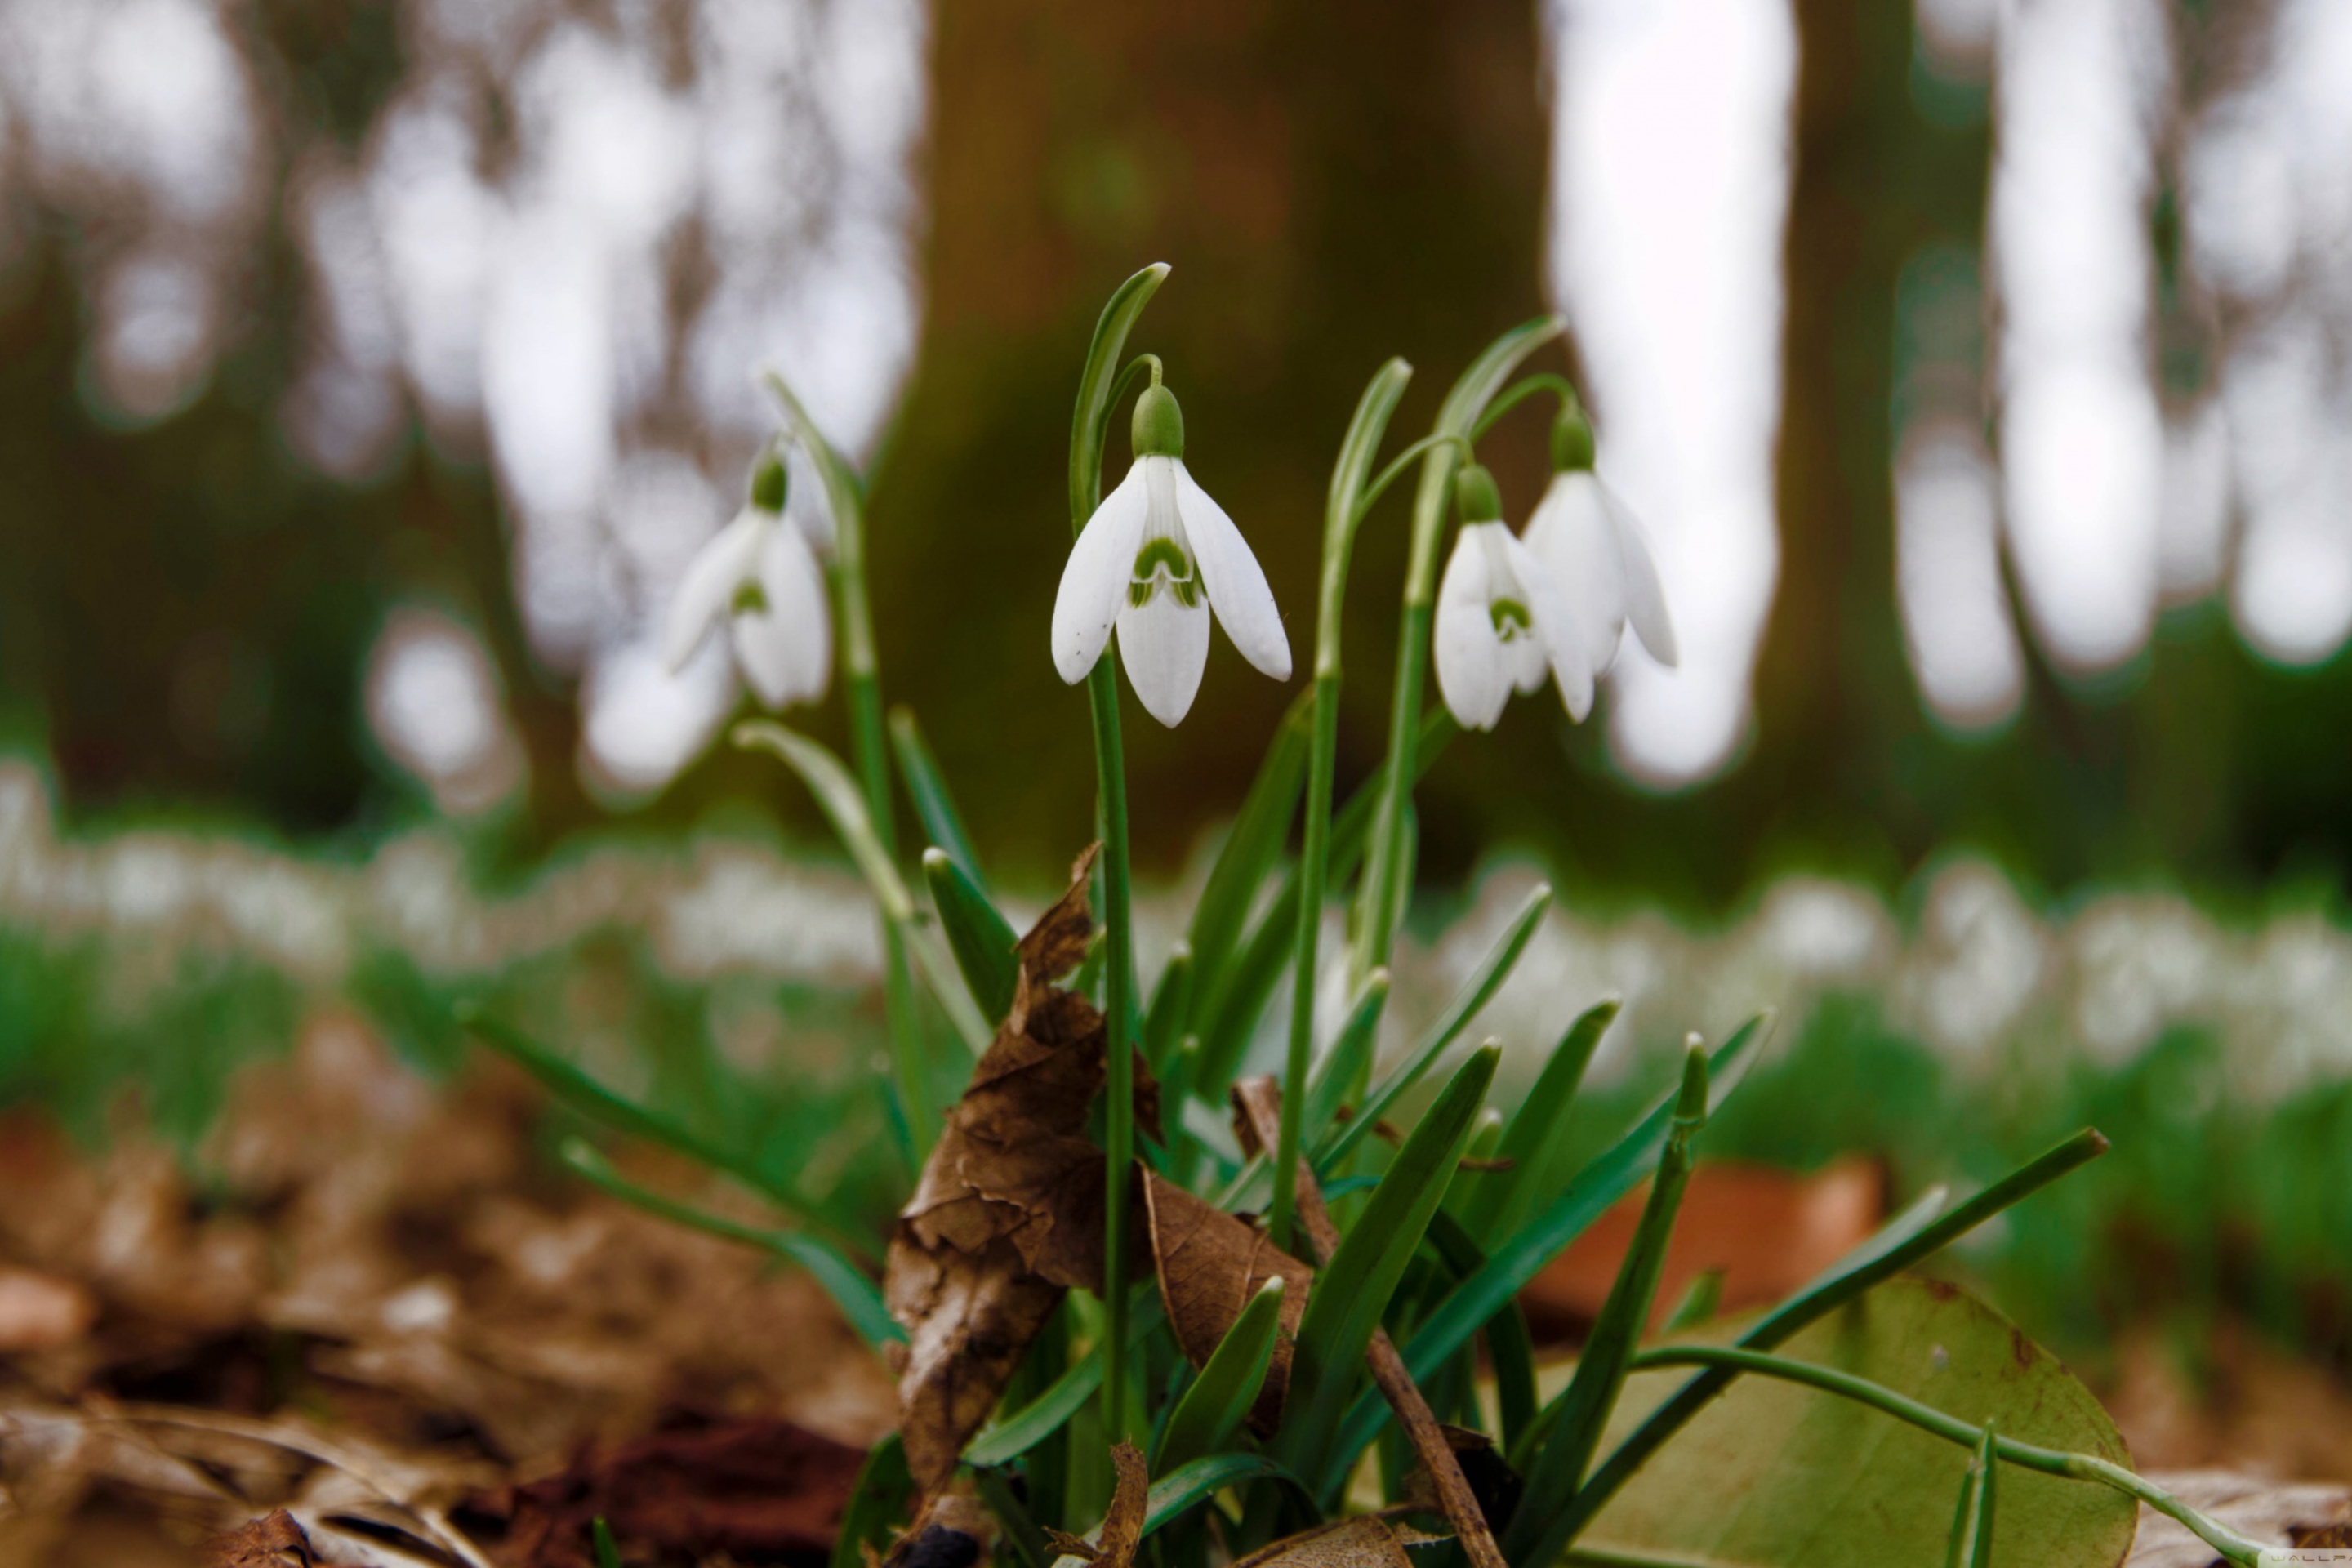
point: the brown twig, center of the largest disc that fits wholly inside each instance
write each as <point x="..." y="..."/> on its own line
<point x="1260" y="1099"/>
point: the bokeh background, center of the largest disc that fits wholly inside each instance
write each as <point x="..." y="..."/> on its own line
<point x="369" y="371"/>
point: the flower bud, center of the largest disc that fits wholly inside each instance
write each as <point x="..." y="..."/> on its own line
<point x="1476" y="496"/>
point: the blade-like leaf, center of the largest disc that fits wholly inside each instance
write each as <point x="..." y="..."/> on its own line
<point x="843" y="804"/>
<point x="1180" y="1489"/>
<point x="1574" y="1430"/>
<point x="981" y="939"/>
<point x="1172" y="1005"/>
<point x="1510" y="1347"/>
<point x="1349" y="1058"/>
<point x="608" y="1554"/>
<point x="1971" y="1542"/>
<point x="935" y="808"/>
<point x="877" y="1502"/>
<point x="1510" y="1267"/>
<point x="1916" y="1234"/>
<point x="1008" y="1439"/>
<point x="859" y="1298"/>
<point x="1466" y="1005"/>
<point x="591" y="1098"/>
<point x="1501" y="1206"/>
<point x="1088" y="420"/>
<point x="1251" y="849"/>
<point x="1352" y="1291"/>
<point x="1213" y="1408"/>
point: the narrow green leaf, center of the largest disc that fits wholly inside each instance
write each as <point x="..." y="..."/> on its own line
<point x="1352" y="1291"/>
<point x="935" y="808"/>
<point x="1699" y="1304"/>
<point x="1971" y="1542"/>
<point x="591" y="1098"/>
<point x="1180" y="1489"/>
<point x="1088" y="419"/>
<point x="1479" y="1152"/>
<point x="843" y="801"/>
<point x="1003" y="1442"/>
<point x="1916" y="1234"/>
<point x="1029" y="1544"/>
<point x="1213" y="1408"/>
<point x="608" y="1554"/>
<point x="1510" y="1347"/>
<point x="1466" y="1005"/>
<point x="1172" y="1005"/>
<point x="1251" y="848"/>
<point x="877" y="1502"/>
<point x="1349" y="1059"/>
<point x="859" y="1298"/>
<point x="1537" y="1532"/>
<point x="1501" y="1206"/>
<point x="1510" y="1266"/>
<point x="981" y="939"/>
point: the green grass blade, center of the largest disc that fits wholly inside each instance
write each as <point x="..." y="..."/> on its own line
<point x="1466" y="1005"/>
<point x="1595" y="1189"/>
<point x="1251" y="848"/>
<point x="1004" y="1441"/>
<point x="843" y="801"/>
<point x="1538" y="1531"/>
<point x="1352" y="1291"/>
<point x="935" y="808"/>
<point x="1510" y="1347"/>
<point x="1971" y="1544"/>
<point x="1213" y="1408"/>
<point x="1029" y="1544"/>
<point x="608" y="1554"/>
<point x="1700" y="1302"/>
<point x="852" y="1290"/>
<point x="878" y="1500"/>
<point x="1165" y="1021"/>
<point x="1180" y="1488"/>
<point x="1090" y="420"/>
<point x="585" y="1095"/>
<point x="1918" y="1234"/>
<point x="1501" y="1206"/>
<point x="979" y="938"/>
<point x="1349" y="1059"/>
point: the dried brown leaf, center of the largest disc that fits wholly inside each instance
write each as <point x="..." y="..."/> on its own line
<point x="1367" y="1540"/>
<point x="273" y="1540"/>
<point x="1210" y="1263"/>
<point x="950" y="1533"/>
<point x="1009" y="1211"/>
<point x="1122" y="1525"/>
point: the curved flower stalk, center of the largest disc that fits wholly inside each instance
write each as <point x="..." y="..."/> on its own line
<point x="760" y="576"/>
<point x="1155" y="560"/>
<point x="1503" y="620"/>
<point x="1598" y="553"/>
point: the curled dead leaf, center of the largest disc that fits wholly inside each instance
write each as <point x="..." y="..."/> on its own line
<point x="1009" y="1211"/>
<point x="1367" y="1540"/>
<point x="1210" y="1263"/>
<point x="1122" y="1527"/>
<point x="273" y="1540"/>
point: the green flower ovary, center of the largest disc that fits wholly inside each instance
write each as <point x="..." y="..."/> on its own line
<point x="1163" y="561"/>
<point x="1511" y="619"/>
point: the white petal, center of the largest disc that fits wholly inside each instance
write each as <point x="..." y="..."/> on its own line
<point x="706" y="590"/>
<point x="1164" y="647"/>
<point x="1646" y="596"/>
<point x="1238" y="588"/>
<point x="1571" y="669"/>
<point x="1574" y="536"/>
<point x="1470" y="673"/>
<point x="786" y="648"/>
<point x="1094" y="580"/>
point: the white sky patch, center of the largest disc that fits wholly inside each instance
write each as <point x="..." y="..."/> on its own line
<point x="1670" y="189"/>
<point x="1955" y="620"/>
<point x="434" y="705"/>
<point x="2082" y="441"/>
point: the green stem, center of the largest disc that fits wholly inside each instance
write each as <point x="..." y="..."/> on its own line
<point x="862" y="681"/>
<point x="1519" y="391"/>
<point x="1344" y="509"/>
<point x="1952" y="1429"/>
<point x="1089" y="428"/>
<point x="1379" y="895"/>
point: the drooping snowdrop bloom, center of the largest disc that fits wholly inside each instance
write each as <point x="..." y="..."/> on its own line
<point x="1598" y="553"/>
<point x="761" y="575"/>
<point x="1155" y="560"/>
<point x="1502" y="622"/>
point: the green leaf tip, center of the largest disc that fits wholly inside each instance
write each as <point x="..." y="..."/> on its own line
<point x="1690" y="1107"/>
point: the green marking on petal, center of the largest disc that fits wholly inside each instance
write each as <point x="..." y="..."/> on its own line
<point x="1162" y="563"/>
<point x="749" y="599"/>
<point x="1511" y="619"/>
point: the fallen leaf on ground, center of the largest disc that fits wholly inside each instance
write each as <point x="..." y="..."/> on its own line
<point x="1769" y="1232"/>
<point x="1367" y="1540"/>
<point x="1009" y="1211"/>
<point x="1210" y="1263"/>
<point x="2275" y="1513"/>
<point x="762" y="1490"/>
<point x="273" y="1540"/>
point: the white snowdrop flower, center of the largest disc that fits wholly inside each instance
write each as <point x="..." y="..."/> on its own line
<point x="761" y="576"/>
<point x="1155" y="560"/>
<point x="1502" y="622"/>
<point x="1598" y="555"/>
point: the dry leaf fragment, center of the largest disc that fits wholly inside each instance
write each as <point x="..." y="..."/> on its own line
<point x="1210" y="1263"/>
<point x="273" y="1540"/>
<point x="1009" y="1210"/>
<point x="950" y="1533"/>
<point x="1122" y="1525"/>
<point x="1364" y="1542"/>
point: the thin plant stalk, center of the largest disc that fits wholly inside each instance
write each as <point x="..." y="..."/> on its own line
<point x="1341" y="515"/>
<point x="861" y="682"/>
<point x="1089" y="430"/>
<point x="1379" y="895"/>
